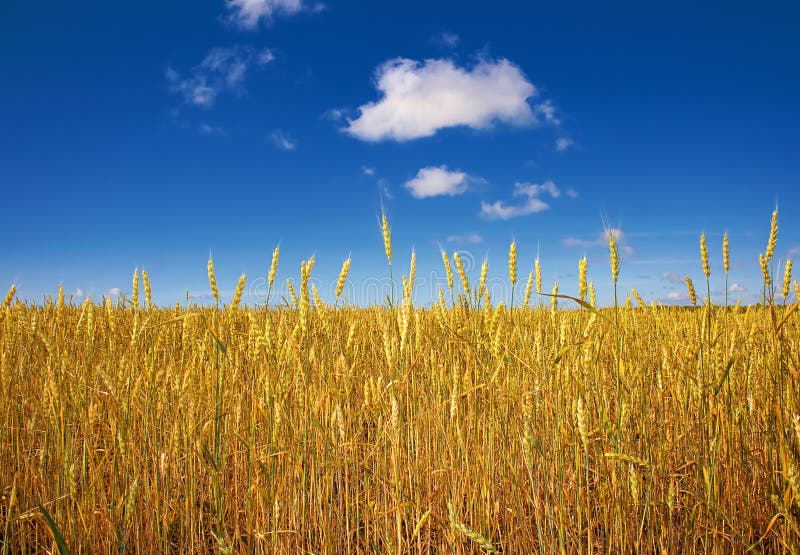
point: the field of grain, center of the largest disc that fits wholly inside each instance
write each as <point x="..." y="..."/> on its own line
<point x="463" y="427"/>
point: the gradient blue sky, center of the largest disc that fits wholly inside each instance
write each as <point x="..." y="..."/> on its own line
<point x="151" y="134"/>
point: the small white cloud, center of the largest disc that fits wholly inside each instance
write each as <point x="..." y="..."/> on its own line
<point x="282" y="140"/>
<point x="420" y="98"/>
<point x="547" y="112"/>
<point x="207" y="129"/>
<point x="384" y="190"/>
<point x="572" y="193"/>
<point x="249" y="13"/>
<point x="266" y="56"/>
<point x="737" y="287"/>
<point x="563" y="143"/>
<point x="447" y="40"/>
<point x="672" y="277"/>
<point x="532" y="192"/>
<point x="601" y="240"/>
<point x="335" y="114"/>
<point x="437" y="181"/>
<point x="223" y="69"/>
<point x="366" y="170"/>
<point x="470" y="238"/>
<point x="677" y="296"/>
<point x="114" y="292"/>
<point x="78" y="293"/>
<point x="794" y="251"/>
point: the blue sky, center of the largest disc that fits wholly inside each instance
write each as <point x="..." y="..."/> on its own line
<point x="151" y="134"/>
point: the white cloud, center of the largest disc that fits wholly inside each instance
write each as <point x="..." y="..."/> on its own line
<point x="675" y="296"/>
<point x="436" y="181"/>
<point x="672" y="277"/>
<point x="282" y="140"/>
<point x="420" y="98"/>
<point x="563" y="143"/>
<point x="446" y="39"/>
<point x="601" y="240"/>
<point x="78" y="293"/>
<point x="794" y="251"/>
<point x="114" y="292"/>
<point x="249" y="13"/>
<point x="384" y="189"/>
<point x="471" y="238"/>
<point x="266" y="56"/>
<point x="737" y="287"/>
<point x="335" y="114"/>
<point x="368" y="170"/>
<point x="207" y="129"/>
<point x="223" y="69"/>
<point x="547" y="111"/>
<point x="532" y="192"/>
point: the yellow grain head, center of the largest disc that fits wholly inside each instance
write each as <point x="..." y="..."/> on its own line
<point x="762" y="260"/>
<point x="462" y="275"/>
<point x="148" y="292"/>
<point x="592" y="296"/>
<point x="484" y="273"/>
<point x="787" y="277"/>
<point x="582" y="278"/>
<point x="342" y="277"/>
<point x="512" y="263"/>
<point x="292" y="293"/>
<point x="554" y="299"/>
<point x="528" y="289"/>
<point x="690" y="287"/>
<point x="273" y="268"/>
<point x="448" y="270"/>
<point x="725" y="254"/>
<point x="212" y="280"/>
<point x="412" y="273"/>
<point x="317" y="299"/>
<point x="387" y="237"/>
<point x="639" y="300"/>
<point x="237" y="294"/>
<point x="613" y="256"/>
<point x="773" y="236"/>
<point x="135" y="289"/>
<point x="704" y="255"/>
<point x="10" y="296"/>
<point x="538" y="269"/>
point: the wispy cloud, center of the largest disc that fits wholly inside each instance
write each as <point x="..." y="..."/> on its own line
<point x="249" y="14"/>
<point x="563" y="144"/>
<point x="532" y="194"/>
<point x="446" y="39"/>
<point x="420" y="98"/>
<point x="282" y="140"/>
<point x="672" y="277"/>
<point x="437" y="181"/>
<point x="737" y="287"/>
<point x="677" y="296"/>
<point x="207" y="129"/>
<point x="366" y="170"/>
<point x="223" y="69"/>
<point x="601" y="241"/>
<point x="114" y="292"/>
<point x="547" y="112"/>
<point x="794" y="251"/>
<point x="469" y="238"/>
<point x="78" y="293"/>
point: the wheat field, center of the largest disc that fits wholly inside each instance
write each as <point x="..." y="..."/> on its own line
<point x="466" y="426"/>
